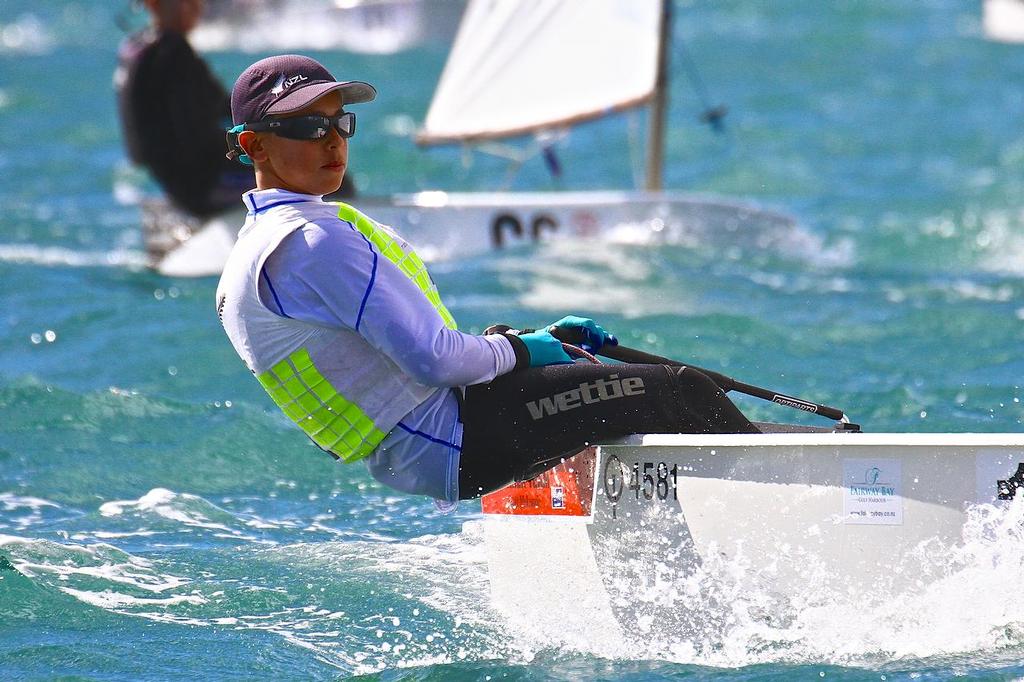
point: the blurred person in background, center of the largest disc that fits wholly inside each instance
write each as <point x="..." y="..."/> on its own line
<point x="174" y="112"/>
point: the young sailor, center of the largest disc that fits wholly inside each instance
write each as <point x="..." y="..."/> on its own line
<point x="340" y="322"/>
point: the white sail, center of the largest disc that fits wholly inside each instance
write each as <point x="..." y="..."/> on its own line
<point x="522" y="65"/>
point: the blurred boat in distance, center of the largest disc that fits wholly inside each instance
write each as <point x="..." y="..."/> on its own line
<point x="521" y="68"/>
<point x="363" y="26"/>
<point x="1003" y="20"/>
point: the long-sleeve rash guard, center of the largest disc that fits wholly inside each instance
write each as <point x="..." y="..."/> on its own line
<point x="326" y="273"/>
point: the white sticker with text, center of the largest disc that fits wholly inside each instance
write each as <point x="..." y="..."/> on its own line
<point x="871" y="492"/>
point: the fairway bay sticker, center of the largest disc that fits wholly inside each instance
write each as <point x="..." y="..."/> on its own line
<point x="871" y="492"/>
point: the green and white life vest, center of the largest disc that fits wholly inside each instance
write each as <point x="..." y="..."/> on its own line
<point x="343" y="393"/>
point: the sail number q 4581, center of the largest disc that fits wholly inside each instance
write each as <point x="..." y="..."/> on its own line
<point x="645" y="480"/>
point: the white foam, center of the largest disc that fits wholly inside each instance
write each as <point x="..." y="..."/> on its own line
<point x="182" y="508"/>
<point x="155" y="497"/>
<point x="115" y="600"/>
<point x="446" y="572"/>
<point x="10" y="502"/>
<point x="971" y="605"/>
<point x="61" y="256"/>
<point x="967" y="290"/>
<point x="109" y="535"/>
<point x="576" y="275"/>
<point x="994" y="234"/>
<point x="724" y="612"/>
<point x="25" y="35"/>
<point x="192" y="511"/>
<point x="968" y="606"/>
<point x="73" y="564"/>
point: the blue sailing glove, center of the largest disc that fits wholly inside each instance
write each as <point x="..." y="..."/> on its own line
<point x="544" y="349"/>
<point x="594" y="335"/>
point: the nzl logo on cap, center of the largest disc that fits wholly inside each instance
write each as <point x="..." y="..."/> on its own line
<point x="285" y="82"/>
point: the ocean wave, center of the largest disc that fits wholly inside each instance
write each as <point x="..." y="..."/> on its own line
<point x="361" y="606"/>
<point x="10" y="502"/>
<point x="61" y="256"/>
<point x="670" y="280"/>
<point x="434" y="619"/>
<point x="21" y="512"/>
<point x="108" y="599"/>
<point x="214" y="449"/>
<point x="100" y="566"/>
<point x="193" y="512"/>
<point x="34" y="403"/>
<point x="986" y="239"/>
<point x="786" y="240"/>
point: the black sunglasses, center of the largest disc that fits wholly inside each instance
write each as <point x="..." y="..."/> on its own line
<point x="314" y="127"/>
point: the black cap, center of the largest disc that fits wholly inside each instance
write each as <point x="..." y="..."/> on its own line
<point x="287" y="83"/>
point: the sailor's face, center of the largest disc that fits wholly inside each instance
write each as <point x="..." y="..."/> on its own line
<point x="308" y="166"/>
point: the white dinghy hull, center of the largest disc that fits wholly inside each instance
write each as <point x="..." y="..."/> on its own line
<point x="849" y="513"/>
<point x="444" y="225"/>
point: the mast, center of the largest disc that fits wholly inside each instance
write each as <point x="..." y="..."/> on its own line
<point x="659" y="103"/>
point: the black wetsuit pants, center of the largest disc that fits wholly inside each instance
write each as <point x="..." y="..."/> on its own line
<point x="523" y="423"/>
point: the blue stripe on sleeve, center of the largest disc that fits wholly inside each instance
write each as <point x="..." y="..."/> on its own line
<point x="373" y="274"/>
<point x="273" y="292"/>
<point x="432" y="439"/>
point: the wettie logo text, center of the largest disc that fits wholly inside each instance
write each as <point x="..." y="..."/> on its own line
<point x="587" y="394"/>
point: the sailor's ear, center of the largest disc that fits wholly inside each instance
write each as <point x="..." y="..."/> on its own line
<point x="252" y="144"/>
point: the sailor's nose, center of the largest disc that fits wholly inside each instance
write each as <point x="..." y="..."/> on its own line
<point x="333" y="137"/>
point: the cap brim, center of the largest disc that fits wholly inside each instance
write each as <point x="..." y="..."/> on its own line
<point x="352" y="92"/>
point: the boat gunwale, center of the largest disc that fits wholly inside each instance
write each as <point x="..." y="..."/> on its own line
<point x="828" y="439"/>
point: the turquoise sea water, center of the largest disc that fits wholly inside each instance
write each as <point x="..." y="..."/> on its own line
<point x="159" y="520"/>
